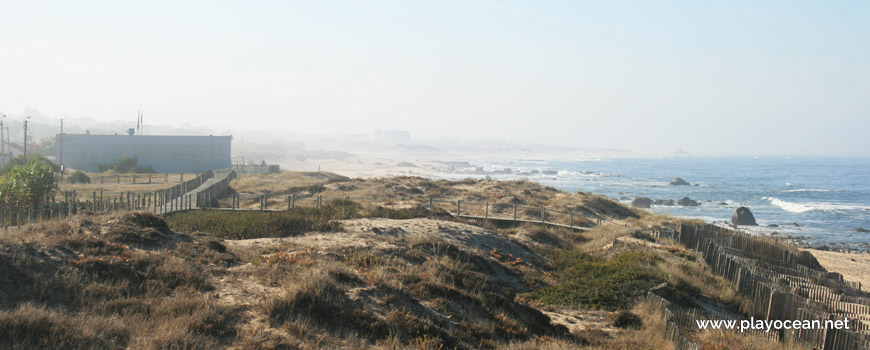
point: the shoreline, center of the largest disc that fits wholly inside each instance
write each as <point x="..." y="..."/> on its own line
<point x="854" y="267"/>
<point x="805" y="235"/>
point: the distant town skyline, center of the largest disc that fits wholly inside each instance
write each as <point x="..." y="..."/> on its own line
<point x="711" y="78"/>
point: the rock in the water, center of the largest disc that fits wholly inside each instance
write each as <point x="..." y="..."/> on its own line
<point x="668" y="202"/>
<point x="742" y="216"/>
<point x="861" y="230"/>
<point x="679" y="182"/>
<point x="688" y="202"/>
<point x="641" y="202"/>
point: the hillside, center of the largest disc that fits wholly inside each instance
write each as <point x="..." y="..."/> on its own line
<point x="351" y="275"/>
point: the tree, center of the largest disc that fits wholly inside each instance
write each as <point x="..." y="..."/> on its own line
<point x="45" y="147"/>
<point x="30" y="185"/>
<point x="79" y="177"/>
<point x="20" y="161"/>
<point x="127" y="164"/>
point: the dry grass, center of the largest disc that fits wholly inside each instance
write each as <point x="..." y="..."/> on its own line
<point x="95" y="289"/>
<point x="407" y="191"/>
<point x="722" y="340"/>
<point x="282" y="183"/>
<point x="111" y="185"/>
<point x="431" y="293"/>
<point x="130" y="281"/>
<point x="646" y="337"/>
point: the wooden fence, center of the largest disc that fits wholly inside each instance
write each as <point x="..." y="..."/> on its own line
<point x="577" y="220"/>
<point x="783" y="283"/>
<point x="149" y="178"/>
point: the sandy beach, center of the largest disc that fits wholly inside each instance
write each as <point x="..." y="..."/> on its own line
<point x="853" y="266"/>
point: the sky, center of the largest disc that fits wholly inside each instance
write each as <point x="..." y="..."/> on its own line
<point x="710" y="77"/>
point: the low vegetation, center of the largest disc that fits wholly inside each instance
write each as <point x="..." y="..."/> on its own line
<point x="610" y="283"/>
<point x="65" y="285"/>
<point x="79" y="177"/>
<point x="125" y="165"/>
<point x="28" y="185"/>
<point x="276" y="224"/>
<point x="351" y="275"/>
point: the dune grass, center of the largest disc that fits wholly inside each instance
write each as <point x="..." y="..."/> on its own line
<point x="589" y="281"/>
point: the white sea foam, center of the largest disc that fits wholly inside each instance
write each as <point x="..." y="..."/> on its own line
<point x="810" y="206"/>
<point x="810" y="190"/>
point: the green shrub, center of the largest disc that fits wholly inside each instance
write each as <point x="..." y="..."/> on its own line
<point x="127" y="164"/>
<point x="253" y="224"/>
<point x="625" y="319"/>
<point x="594" y="282"/>
<point x="20" y="161"/>
<point x="79" y="177"/>
<point x="29" y="185"/>
<point x="399" y="214"/>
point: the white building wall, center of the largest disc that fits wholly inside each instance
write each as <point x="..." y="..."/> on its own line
<point x="164" y="153"/>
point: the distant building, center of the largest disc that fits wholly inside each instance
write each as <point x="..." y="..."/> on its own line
<point x="392" y="136"/>
<point x="165" y="153"/>
<point x="14" y="150"/>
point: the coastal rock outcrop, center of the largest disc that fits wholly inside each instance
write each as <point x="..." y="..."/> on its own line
<point x="688" y="202"/>
<point x="679" y="182"/>
<point x="641" y="202"/>
<point x="665" y="202"/>
<point x="742" y="216"/>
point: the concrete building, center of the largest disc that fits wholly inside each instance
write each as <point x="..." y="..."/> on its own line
<point x="165" y="153"/>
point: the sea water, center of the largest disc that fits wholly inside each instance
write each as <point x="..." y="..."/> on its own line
<point x="819" y="201"/>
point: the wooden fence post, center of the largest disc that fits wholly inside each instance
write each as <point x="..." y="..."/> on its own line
<point x="458" y="207"/>
<point x="515" y="212"/>
<point x="486" y="211"/>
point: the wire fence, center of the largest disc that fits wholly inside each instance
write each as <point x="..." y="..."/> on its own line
<point x="465" y="209"/>
<point x="140" y="179"/>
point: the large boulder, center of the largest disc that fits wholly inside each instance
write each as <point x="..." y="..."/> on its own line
<point x="641" y="202"/>
<point x="742" y="216"/>
<point x="679" y="182"/>
<point x="668" y="202"/>
<point x="688" y="202"/>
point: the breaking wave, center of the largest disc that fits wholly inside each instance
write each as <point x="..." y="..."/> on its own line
<point x="810" y="206"/>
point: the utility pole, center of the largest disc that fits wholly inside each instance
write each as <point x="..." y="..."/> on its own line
<point x="62" y="168"/>
<point x="2" y="143"/>
<point x="25" y="139"/>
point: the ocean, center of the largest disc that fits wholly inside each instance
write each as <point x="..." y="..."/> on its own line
<point x="816" y="201"/>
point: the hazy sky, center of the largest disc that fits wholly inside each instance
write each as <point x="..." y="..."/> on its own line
<point x="712" y="77"/>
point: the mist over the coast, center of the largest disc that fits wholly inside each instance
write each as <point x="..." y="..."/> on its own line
<point x="718" y="78"/>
